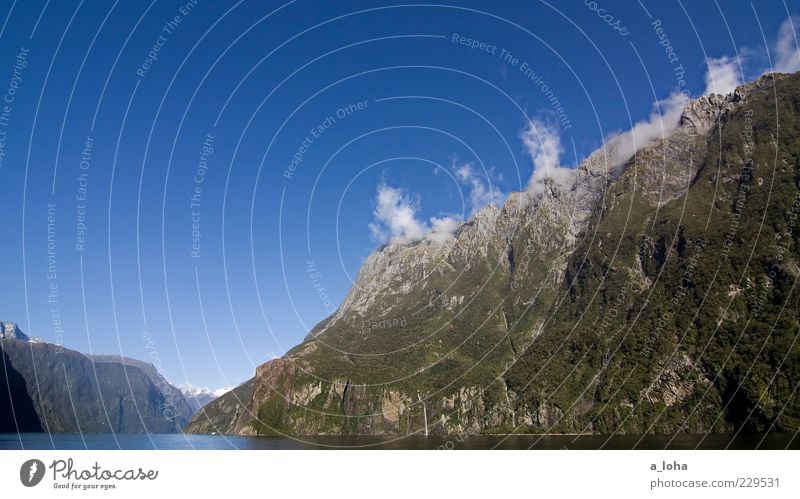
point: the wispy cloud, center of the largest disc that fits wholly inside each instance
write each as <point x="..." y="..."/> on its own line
<point x="443" y="229"/>
<point x="787" y="53"/>
<point x="723" y="75"/>
<point x="482" y="188"/>
<point x="543" y="144"/>
<point x="396" y="216"/>
<point x="663" y="120"/>
<point x="396" y="219"/>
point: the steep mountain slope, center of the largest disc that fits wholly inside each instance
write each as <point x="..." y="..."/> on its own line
<point x="58" y="390"/>
<point x="688" y="312"/>
<point x="175" y="400"/>
<point x="655" y="296"/>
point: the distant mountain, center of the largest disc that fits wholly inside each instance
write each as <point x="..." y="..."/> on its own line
<point x="54" y="389"/>
<point x="653" y="296"/>
<point x="197" y="397"/>
<point x="223" y="414"/>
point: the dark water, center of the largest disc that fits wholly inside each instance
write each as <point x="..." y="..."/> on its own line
<point x="540" y="442"/>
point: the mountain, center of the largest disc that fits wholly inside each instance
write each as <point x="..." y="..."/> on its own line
<point x="50" y="388"/>
<point x="655" y="295"/>
<point x="197" y="397"/>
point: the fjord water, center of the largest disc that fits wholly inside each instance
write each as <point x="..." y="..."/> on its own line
<point x="74" y="441"/>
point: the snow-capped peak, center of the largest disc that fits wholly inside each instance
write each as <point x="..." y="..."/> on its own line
<point x="198" y="396"/>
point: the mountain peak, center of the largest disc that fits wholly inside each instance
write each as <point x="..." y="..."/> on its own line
<point x="10" y="331"/>
<point x="197" y="396"/>
<point x="703" y="112"/>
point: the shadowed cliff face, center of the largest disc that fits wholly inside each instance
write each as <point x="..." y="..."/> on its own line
<point x="655" y="297"/>
<point x="59" y="390"/>
<point x="17" y="414"/>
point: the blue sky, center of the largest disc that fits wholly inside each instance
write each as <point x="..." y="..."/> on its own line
<point x="200" y="192"/>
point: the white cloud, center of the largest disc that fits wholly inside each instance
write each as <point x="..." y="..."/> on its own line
<point x="663" y="120"/>
<point x="559" y="175"/>
<point x="483" y="190"/>
<point x="543" y="144"/>
<point x="787" y="53"/>
<point x="443" y="229"/>
<point x="395" y="216"/>
<point x="396" y="220"/>
<point x="463" y="172"/>
<point x="723" y="75"/>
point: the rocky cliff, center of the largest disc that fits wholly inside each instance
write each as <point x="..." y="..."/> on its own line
<point x="655" y="295"/>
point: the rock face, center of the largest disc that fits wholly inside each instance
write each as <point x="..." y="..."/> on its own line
<point x="54" y="389"/>
<point x="599" y="304"/>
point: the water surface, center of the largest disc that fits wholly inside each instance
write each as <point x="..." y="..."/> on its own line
<point x="541" y="442"/>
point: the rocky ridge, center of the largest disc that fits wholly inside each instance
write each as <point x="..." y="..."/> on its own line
<point x="506" y="327"/>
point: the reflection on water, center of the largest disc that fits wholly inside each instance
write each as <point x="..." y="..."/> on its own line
<point x="542" y="442"/>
